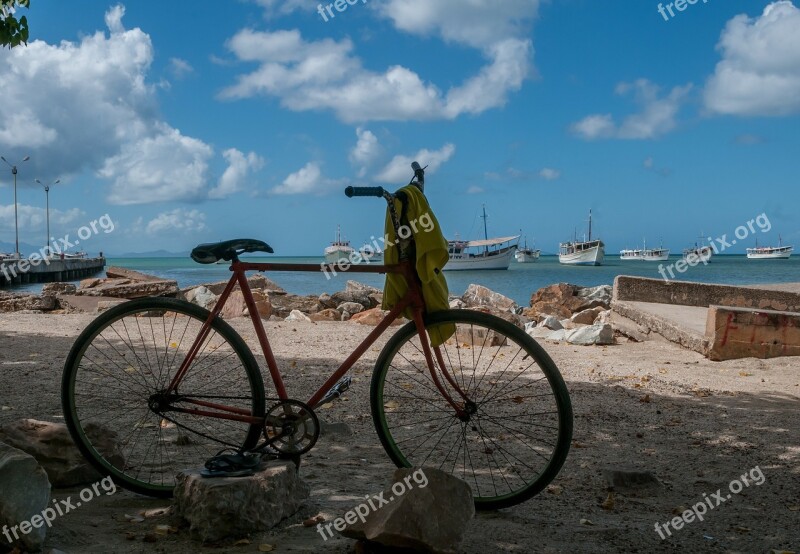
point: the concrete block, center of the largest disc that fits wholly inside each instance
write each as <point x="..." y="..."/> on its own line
<point x="744" y="333"/>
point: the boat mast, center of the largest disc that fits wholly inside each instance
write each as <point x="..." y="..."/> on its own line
<point x="590" y="225"/>
<point x="485" y="229"/>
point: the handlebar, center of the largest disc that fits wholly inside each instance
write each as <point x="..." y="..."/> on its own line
<point x="364" y="191"/>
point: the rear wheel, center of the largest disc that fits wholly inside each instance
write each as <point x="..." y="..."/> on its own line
<point x="114" y="400"/>
<point x="517" y="427"/>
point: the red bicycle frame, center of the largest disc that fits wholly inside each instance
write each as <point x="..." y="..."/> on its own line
<point x="413" y="299"/>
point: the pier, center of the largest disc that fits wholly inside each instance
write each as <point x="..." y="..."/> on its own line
<point x="16" y="272"/>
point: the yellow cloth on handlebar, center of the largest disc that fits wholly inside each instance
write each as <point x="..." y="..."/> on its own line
<point x="431" y="256"/>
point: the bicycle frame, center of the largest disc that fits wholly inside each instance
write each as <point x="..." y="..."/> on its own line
<point x="413" y="299"/>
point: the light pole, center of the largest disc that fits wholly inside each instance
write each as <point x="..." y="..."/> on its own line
<point x="16" y="219"/>
<point x="47" y="195"/>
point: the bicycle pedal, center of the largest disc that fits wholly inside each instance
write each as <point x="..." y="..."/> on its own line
<point x="336" y="391"/>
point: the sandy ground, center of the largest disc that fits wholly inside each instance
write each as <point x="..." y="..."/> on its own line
<point x="697" y="425"/>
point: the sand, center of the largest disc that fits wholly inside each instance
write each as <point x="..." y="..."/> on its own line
<point x="696" y="425"/>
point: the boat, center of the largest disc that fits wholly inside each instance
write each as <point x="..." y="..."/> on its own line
<point x="491" y="253"/>
<point x="527" y="255"/>
<point x="74" y="255"/>
<point x="339" y="249"/>
<point x="779" y="252"/>
<point x="369" y="255"/>
<point x="700" y="253"/>
<point x="586" y="252"/>
<point x="646" y="254"/>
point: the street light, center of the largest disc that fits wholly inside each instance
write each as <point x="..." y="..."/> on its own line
<point x="16" y="219"/>
<point x="47" y="195"/>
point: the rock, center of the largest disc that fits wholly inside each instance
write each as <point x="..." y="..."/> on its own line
<point x="596" y="296"/>
<point x="569" y="324"/>
<point x="358" y="296"/>
<point x="586" y="317"/>
<point x="72" y="303"/>
<point x="602" y="318"/>
<point x="256" y="282"/>
<point x="89" y="283"/>
<point x="52" y="289"/>
<point x="129" y="274"/>
<point x="538" y="332"/>
<point x="351" y="307"/>
<point x="20" y="302"/>
<point x="511" y="317"/>
<point x="123" y="288"/>
<point x="326" y="315"/>
<point x="238" y="506"/>
<point x="369" y="317"/>
<point x="551" y="322"/>
<point x="564" y="299"/>
<point x="202" y="297"/>
<point x="24" y="493"/>
<point x="53" y="448"/>
<point x="103" y="305"/>
<point x="556" y="336"/>
<point x="355" y="286"/>
<point x="263" y="305"/>
<point x="284" y="304"/>
<point x="234" y="307"/>
<point x="326" y="301"/>
<point x="631" y="480"/>
<point x="546" y="308"/>
<point x="431" y="514"/>
<point x="477" y="295"/>
<point x="592" y="334"/>
<point x="456" y="304"/>
<point x="297" y="315"/>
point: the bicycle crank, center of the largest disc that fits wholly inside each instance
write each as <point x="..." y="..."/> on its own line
<point x="291" y="428"/>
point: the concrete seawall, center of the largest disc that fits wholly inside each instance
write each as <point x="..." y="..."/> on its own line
<point x="22" y="271"/>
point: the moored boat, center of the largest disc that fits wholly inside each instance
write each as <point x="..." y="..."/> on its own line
<point x="779" y="252"/>
<point x="370" y="255"/>
<point x="527" y="255"/>
<point x="586" y="252"/>
<point x="339" y="249"/>
<point x="700" y="253"/>
<point x="491" y="253"/>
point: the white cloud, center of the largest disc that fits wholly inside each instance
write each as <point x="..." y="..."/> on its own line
<point x="177" y="221"/>
<point x="366" y="151"/>
<point x="759" y="73"/>
<point x="655" y="118"/>
<point x="549" y="174"/>
<point x="240" y="166"/>
<point x="326" y="74"/>
<point x="399" y="169"/>
<point x="35" y="218"/>
<point x="307" y="180"/>
<point x="474" y="189"/>
<point x="88" y="105"/>
<point x="180" y="68"/>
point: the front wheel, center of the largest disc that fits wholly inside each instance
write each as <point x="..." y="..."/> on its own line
<point x="515" y="430"/>
<point x="115" y="401"/>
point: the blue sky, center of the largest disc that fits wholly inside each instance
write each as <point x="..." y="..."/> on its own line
<point x="190" y="122"/>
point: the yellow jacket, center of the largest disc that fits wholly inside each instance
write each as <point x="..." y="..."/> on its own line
<point x="431" y="256"/>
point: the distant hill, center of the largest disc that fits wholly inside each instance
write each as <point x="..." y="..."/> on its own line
<point x="153" y="254"/>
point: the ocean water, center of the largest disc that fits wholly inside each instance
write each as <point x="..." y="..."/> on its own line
<point x="518" y="283"/>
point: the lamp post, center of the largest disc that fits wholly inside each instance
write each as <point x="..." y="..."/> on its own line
<point x="47" y="195"/>
<point x="16" y="219"/>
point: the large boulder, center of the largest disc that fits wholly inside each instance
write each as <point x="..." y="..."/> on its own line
<point x="586" y="317"/>
<point x="53" y="448"/>
<point x="24" y="496"/>
<point x="238" y="506"/>
<point x="355" y="286"/>
<point x="427" y="510"/>
<point x="297" y="315"/>
<point x="20" y="302"/>
<point x="591" y="334"/>
<point x="477" y="295"/>
<point x="551" y="322"/>
<point x="202" y="297"/>
<point x="596" y="296"/>
<point x="362" y="297"/>
<point x="563" y="300"/>
<point x="130" y="274"/>
<point x="52" y="289"/>
<point x="125" y="288"/>
<point x="327" y="314"/>
<point x="284" y="304"/>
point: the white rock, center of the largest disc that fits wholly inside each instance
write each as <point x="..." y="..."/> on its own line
<point x="556" y="336"/>
<point x="297" y="315"/>
<point x="24" y="493"/>
<point x="551" y="322"/>
<point x="603" y="318"/>
<point x="202" y="297"/>
<point x="591" y="334"/>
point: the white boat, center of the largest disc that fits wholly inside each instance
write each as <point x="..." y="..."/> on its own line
<point x="700" y="253"/>
<point x="527" y="255"/>
<point x="369" y="255"/>
<point x="586" y="252"/>
<point x="339" y="249"/>
<point x="779" y="252"/>
<point x="645" y="254"/>
<point x="75" y="255"/>
<point x="499" y="257"/>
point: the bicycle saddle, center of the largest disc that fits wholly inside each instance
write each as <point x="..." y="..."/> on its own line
<point x="212" y="252"/>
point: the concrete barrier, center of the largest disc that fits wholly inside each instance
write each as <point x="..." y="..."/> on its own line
<point x="742" y="333"/>
<point x="70" y="269"/>
<point x="685" y="293"/>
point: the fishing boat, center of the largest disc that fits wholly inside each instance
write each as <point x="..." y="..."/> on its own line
<point x="339" y="249"/>
<point x="586" y="252"/>
<point x="779" y="252"/>
<point x="369" y="255"/>
<point x="527" y="255"/>
<point x="646" y="254"/>
<point x="489" y="253"/>
<point x="701" y="253"/>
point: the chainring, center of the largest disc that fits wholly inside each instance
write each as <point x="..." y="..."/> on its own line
<point x="291" y="428"/>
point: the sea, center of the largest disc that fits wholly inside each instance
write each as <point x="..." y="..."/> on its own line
<point x="518" y="282"/>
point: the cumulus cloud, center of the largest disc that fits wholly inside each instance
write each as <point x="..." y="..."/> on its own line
<point x="35" y="218"/>
<point x="759" y="73"/>
<point x="240" y="166"/>
<point x="366" y="151"/>
<point x="307" y="180"/>
<point x="474" y="189"/>
<point x="326" y="74"/>
<point x="549" y="174"/>
<point x="177" y="221"/>
<point x="399" y="169"/>
<point x="656" y="117"/>
<point x="180" y="68"/>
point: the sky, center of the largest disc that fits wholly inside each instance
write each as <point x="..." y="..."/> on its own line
<point x="187" y="122"/>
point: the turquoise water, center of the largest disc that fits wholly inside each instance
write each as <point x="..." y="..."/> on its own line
<point x="517" y="283"/>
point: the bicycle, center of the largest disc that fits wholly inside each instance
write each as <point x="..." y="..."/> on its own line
<point x="173" y="382"/>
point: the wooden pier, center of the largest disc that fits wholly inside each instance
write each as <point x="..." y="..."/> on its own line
<point x="16" y="272"/>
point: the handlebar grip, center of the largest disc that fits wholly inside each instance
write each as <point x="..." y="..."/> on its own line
<point x="364" y="191"/>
